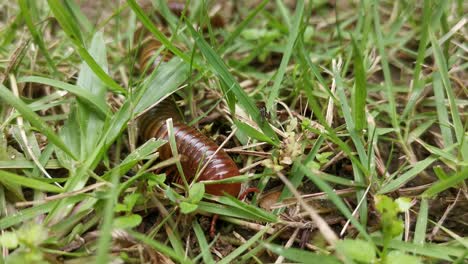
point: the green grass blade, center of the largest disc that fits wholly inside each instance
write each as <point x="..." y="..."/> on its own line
<point x="385" y="67"/>
<point x="359" y="94"/>
<point x="105" y="232"/>
<point x="205" y="250"/>
<point x="167" y="79"/>
<point x="283" y="10"/>
<point x="11" y="178"/>
<point x="444" y="123"/>
<point x="293" y="35"/>
<point x="258" y="213"/>
<point x="26" y="164"/>
<point x="232" y="211"/>
<point x="89" y="122"/>
<point x="252" y="132"/>
<point x="438" y="251"/>
<point x="407" y="176"/>
<point x="307" y="63"/>
<point x="442" y="185"/>
<point x="421" y="223"/>
<point x="80" y="17"/>
<point x="457" y="123"/>
<point x="176" y="241"/>
<point x="350" y="123"/>
<point x="422" y="128"/>
<point x="66" y="20"/>
<point x="348" y="113"/>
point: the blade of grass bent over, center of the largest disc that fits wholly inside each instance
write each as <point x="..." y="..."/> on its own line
<point x="36" y="184"/>
<point x="34" y="119"/>
<point x="80" y="92"/>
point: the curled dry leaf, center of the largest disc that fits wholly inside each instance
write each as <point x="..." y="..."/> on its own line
<point x="269" y="199"/>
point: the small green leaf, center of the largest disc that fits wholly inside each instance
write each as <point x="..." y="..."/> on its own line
<point x="253" y="133"/>
<point x="196" y="192"/>
<point x="391" y="225"/>
<point x="323" y="157"/>
<point x="358" y="250"/>
<point x="128" y="221"/>
<point x="384" y="203"/>
<point x="187" y="208"/>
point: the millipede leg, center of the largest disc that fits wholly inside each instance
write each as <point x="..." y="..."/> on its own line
<point x="213" y="225"/>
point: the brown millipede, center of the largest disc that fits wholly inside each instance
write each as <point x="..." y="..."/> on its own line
<point x="196" y="150"/>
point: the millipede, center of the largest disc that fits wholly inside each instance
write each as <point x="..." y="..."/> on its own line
<point x="196" y="150"/>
